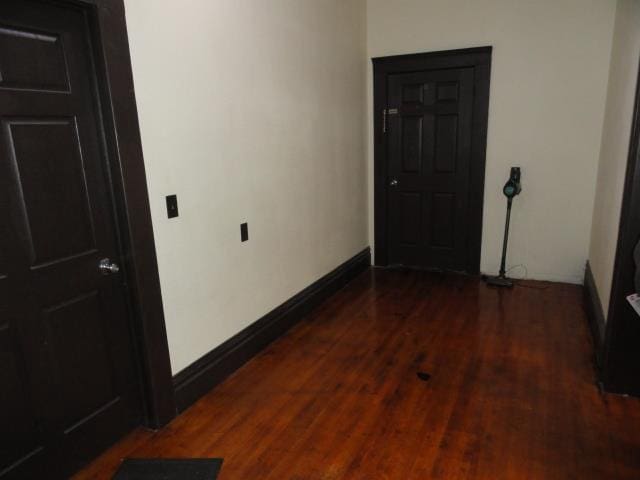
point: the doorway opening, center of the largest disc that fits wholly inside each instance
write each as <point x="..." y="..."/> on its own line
<point x="430" y="134"/>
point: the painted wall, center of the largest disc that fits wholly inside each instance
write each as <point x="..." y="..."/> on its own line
<point x="250" y="111"/>
<point x="548" y="89"/>
<point x="623" y="75"/>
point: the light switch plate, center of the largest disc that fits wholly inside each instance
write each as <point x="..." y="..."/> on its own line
<point x="172" y="206"/>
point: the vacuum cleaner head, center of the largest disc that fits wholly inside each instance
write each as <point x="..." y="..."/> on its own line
<point x="499" y="281"/>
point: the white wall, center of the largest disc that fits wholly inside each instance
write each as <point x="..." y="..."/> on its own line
<point x="250" y="110"/>
<point x="548" y="88"/>
<point x="623" y="75"/>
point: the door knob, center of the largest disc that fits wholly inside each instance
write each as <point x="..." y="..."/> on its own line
<point x="107" y="267"/>
<point x="393" y="183"/>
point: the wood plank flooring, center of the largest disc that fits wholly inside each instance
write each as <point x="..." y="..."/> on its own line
<point x="511" y="393"/>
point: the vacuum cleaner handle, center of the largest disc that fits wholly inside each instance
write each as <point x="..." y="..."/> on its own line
<point x="512" y="187"/>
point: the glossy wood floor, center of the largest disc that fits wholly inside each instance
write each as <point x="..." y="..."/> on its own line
<point x="511" y="393"/>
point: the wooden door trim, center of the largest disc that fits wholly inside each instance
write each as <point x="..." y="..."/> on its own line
<point x="480" y="59"/>
<point x="119" y="116"/>
<point x="620" y="358"/>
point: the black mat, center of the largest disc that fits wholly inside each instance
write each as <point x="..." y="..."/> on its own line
<point x="169" y="469"/>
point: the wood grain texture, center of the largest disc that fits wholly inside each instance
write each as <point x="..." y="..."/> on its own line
<point x="511" y="396"/>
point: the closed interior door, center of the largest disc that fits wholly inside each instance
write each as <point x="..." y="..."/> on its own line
<point x="67" y="379"/>
<point x="428" y="139"/>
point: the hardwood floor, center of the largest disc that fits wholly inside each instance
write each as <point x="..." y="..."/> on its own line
<point x="511" y="393"/>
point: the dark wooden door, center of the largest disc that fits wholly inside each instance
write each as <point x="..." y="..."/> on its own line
<point x="67" y="379"/>
<point x="429" y="134"/>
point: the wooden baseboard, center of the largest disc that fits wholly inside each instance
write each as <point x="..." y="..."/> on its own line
<point x="595" y="314"/>
<point x="211" y="369"/>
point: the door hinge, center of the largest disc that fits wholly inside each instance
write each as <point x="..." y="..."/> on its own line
<point x="385" y="113"/>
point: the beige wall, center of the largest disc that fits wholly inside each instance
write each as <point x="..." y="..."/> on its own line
<point x="255" y="111"/>
<point x="548" y="88"/>
<point x="623" y="75"/>
<point x="250" y="110"/>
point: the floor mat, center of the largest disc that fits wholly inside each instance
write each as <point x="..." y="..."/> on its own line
<point x="169" y="469"/>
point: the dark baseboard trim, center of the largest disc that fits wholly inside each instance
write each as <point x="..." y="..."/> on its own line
<point x="211" y="369"/>
<point x="595" y="314"/>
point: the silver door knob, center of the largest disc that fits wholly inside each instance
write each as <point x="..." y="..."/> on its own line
<point x="393" y="183"/>
<point x="107" y="267"/>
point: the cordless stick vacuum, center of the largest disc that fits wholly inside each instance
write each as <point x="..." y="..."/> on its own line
<point x="510" y="190"/>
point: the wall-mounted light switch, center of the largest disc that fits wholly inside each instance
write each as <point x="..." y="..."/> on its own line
<point x="172" y="206"/>
<point x="244" y="232"/>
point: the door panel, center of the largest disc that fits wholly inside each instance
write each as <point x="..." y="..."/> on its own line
<point x="443" y="214"/>
<point x="446" y="144"/>
<point x="411" y="221"/>
<point x="412" y="140"/>
<point x="68" y="378"/>
<point x="49" y="176"/>
<point x="49" y="72"/>
<point x="77" y="362"/>
<point x="428" y="160"/>
<point x="17" y="418"/>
